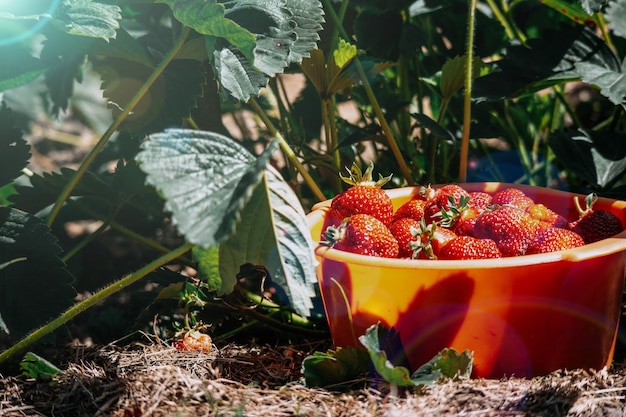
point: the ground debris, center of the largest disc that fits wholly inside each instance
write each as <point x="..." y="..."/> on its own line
<point x="155" y="379"/>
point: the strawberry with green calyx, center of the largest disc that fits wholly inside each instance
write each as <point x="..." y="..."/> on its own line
<point x="429" y="240"/>
<point x="462" y="217"/>
<point x="510" y="227"/>
<point x="364" y="197"/>
<point x="554" y="239"/>
<point x="468" y="247"/>
<point x="440" y="200"/>
<point x="363" y="234"/>
<point x="405" y="231"/>
<point x="594" y="225"/>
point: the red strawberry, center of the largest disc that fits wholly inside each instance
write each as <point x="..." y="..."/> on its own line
<point x="441" y="201"/>
<point x="194" y="340"/>
<point x="405" y="231"/>
<point x="511" y="228"/>
<point x="553" y="239"/>
<point x="364" y="197"/>
<point x="479" y="200"/>
<point x="413" y="209"/>
<point x="544" y="214"/>
<point x="461" y="218"/>
<point x="430" y="239"/>
<point x="594" y="225"/>
<point x="512" y="197"/>
<point x="468" y="247"/>
<point x="363" y="234"/>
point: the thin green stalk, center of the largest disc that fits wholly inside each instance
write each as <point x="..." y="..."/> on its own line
<point x="391" y="140"/>
<point x="467" y="99"/>
<point x="88" y="239"/>
<point x="332" y="142"/>
<point x="291" y="156"/>
<point x="67" y="191"/>
<point x="406" y="172"/>
<point x="501" y="18"/>
<point x="93" y="300"/>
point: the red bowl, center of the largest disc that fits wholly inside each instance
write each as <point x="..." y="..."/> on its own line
<point x="522" y="316"/>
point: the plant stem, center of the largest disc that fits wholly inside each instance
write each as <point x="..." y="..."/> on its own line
<point x="332" y="142"/>
<point x="287" y="150"/>
<point x="467" y="99"/>
<point x="391" y="140"/>
<point x="373" y="101"/>
<point x="93" y="300"/>
<point x="67" y="191"/>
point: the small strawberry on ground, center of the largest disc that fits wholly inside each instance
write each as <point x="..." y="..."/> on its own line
<point x="364" y="197"/>
<point x="553" y="239"/>
<point x="363" y="234"/>
<point x="194" y="340"/>
<point x="468" y="247"/>
<point x="594" y="225"/>
<point x="405" y="231"/>
<point x="511" y="228"/>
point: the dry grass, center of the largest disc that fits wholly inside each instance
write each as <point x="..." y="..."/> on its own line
<point x="156" y="380"/>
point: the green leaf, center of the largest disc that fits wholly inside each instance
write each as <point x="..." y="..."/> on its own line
<point x="208" y="260"/>
<point x="35" y="367"/>
<point x="453" y="75"/>
<point x="89" y="18"/>
<point x="593" y="6"/>
<point x="18" y="68"/>
<point x="185" y="292"/>
<point x="14" y="149"/>
<point x="285" y="31"/>
<point x="434" y="127"/>
<point x="37" y="289"/>
<point x="336" y="370"/>
<point x="554" y="56"/>
<point x="273" y="232"/>
<point x="612" y="83"/>
<point x="206" y="179"/>
<point x="207" y="18"/>
<point x="344" y="54"/>
<point x="616" y="17"/>
<point x="578" y="12"/>
<point x="598" y="158"/>
<point x="448" y="363"/>
<point x="398" y="375"/>
<point x="167" y="103"/>
<point x="44" y="190"/>
<point x="65" y="57"/>
<point x="237" y="77"/>
<point x="123" y="46"/>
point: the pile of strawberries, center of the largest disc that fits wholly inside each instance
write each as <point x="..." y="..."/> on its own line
<point x="452" y="223"/>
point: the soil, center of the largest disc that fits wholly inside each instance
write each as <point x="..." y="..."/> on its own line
<point x="151" y="378"/>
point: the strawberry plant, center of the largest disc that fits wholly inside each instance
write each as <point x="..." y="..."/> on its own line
<point x="428" y="102"/>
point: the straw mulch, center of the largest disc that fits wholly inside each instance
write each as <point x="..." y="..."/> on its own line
<point x="154" y="379"/>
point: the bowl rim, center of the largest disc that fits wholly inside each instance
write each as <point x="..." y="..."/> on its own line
<point x="604" y="247"/>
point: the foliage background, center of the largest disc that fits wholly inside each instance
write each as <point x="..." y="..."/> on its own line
<point x="548" y="101"/>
